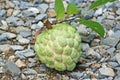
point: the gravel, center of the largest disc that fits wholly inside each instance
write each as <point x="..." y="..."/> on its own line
<point x="19" y="21"/>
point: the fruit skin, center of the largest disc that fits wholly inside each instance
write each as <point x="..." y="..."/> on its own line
<point x="59" y="48"/>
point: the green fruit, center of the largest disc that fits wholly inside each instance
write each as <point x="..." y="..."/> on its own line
<point x="59" y="48"/>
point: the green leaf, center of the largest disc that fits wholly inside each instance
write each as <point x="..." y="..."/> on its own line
<point x="95" y="26"/>
<point x="99" y="3"/>
<point x="72" y="9"/>
<point x="59" y="9"/>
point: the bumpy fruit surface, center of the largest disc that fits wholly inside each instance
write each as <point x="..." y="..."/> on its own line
<point x="59" y="48"/>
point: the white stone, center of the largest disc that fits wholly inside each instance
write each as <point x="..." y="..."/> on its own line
<point x="10" y="35"/>
<point x="33" y="10"/>
<point x="17" y="47"/>
<point x="107" y="71"/>
<point x="117" y="56"/>
<point x="40" y="24"/>
<point x="98" y="12"/>
<point x="24" y="41"/>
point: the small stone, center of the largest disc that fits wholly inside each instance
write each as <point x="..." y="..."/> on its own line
<point x="25" y="53"/>
<point x="2" y="12"/>
<point x="51" y="13"/>
<point x="31" y="65"/>
<point x="40" y="24"/>
<point x="107" y="71"/>
<point x="33" y="10"/>
<point x="117" y="34"/>
<point x="76" y="75"/>
<point x="15" y="12"/>
<point x="29" y="72"/>
<point x="118" y="45"/>
<point x="43" y="8"/>
<point x="20" y="63"/>
<point x="111" y="51"/>
<point x="94" y="54"/>
<point x="24" y="41"/>
<point x="85" y="46"/>
<point x="12" y="19"/>
<point x="10" y="4"/>
<point x="98" y="12"/>
<point x="25" y="5"/>
<point x="40" y="17"/>
<point x="117" y="56"/>
<point x="42" y="67"/>
<point x="17" y="47"/>
<point x="3" y="37"/>
<point x="10" y="35"/>
<point x="95" y="42"/>
<point x="1" y="70"/>
<point x="110" y="17"/>
<point x="25" y="33"/>
<point x="113" y="64"/>
<point x="110" y="41"/>
<point x="4" y="25"/>
<point x="118" y="11"/>
<point x="12" y="69"/>
<point x="31" y="60"/>
<point x="82" y="30"/>
<point x="10" y="11"/>
<point x="89" y="15"/>
<point x="20" y="23"/>
<point x="5" y="48"/>
<point x="35" y="26"/>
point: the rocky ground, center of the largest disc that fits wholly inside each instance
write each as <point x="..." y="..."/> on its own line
<point x="19" y="21"/>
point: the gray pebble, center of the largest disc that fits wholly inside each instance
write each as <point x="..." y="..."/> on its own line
<point x="98" y="12"/>
<point x="110" y="41"/>
<point x="31" y="65"/>
<point x="4" y="25"/>
<point x="23" y="41"/>
<point x="85" y="46"/>
<point x="29" y="72"/>
<point x="31" y="60"/>
<point x="40" y="24"/>
<point x="76" y="75"/>
<point x="111" y="51"/>
<point x="3" y="37"/>
<point x="117" y="34"/>
<point x="42" y="67"/>
<point x="117" y="56"/>
<point x="12" y="19"/>
<point x="43" y="7"/>
<point x="82" y="30"/>
<point x="25" y="33"/>
<point x="107" y="71"/>
<point x="5" y="48"/>
<point x="35" y="26"/>
<point x="10" y="35"/>
<point x="89" y="15"/>
<point x="2" y="12"/>
<point x="12" y="69"/>
<point x="1" y="70"/>
<point x="25" y="5"/>
<point x="25" y="53"/>
<point x="94" y="54"/>
<point x="17" y="47"/>
<point x="113" y="64"/>
<point x="40" y="17"/>
<point x="118" y="45"/>
<point x="20" y="23"/>
<point x="118" y="11"/>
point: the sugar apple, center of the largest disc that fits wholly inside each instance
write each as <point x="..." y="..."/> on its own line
<point x="60" y="47"/>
